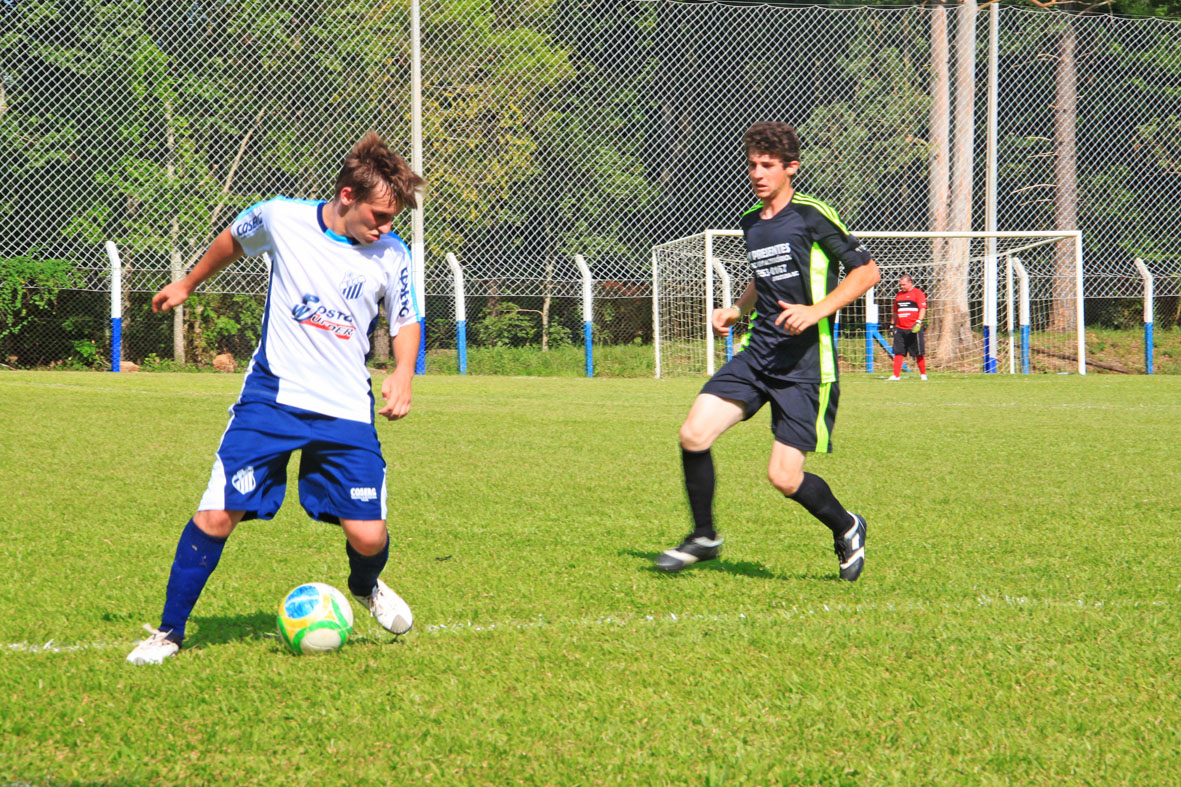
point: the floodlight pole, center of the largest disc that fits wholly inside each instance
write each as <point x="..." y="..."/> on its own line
<point x="417" y="223"/>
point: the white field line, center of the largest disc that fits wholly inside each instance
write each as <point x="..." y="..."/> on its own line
<point x="777" y="614"/>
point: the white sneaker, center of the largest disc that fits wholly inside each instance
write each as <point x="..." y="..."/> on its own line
<point x="154" y="649"/>
<point x="388" y="609"/>
<point x="924" y="377"/>
<point x="893" y="379"/>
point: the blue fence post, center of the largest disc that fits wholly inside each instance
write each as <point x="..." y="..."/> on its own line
<point x="871" y="328"/>
<point x="1146" y="276"/>
<point x="460" y="314"/>
<point x="1148" y="347"/>
<point x="588" y="313"/>
<point x="116" y="305"/>
<point x="1025" y="348"/>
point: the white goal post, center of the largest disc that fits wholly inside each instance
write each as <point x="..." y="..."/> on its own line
<point x="1028" y="285"/>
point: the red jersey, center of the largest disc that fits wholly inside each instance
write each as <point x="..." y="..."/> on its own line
<point x="907" y="306"/>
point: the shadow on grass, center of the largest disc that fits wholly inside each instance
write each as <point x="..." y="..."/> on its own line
<point x="725" y="565"/>
<point x="220" y="629"/>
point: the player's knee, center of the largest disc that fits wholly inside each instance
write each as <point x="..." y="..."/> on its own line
<point x="218" y="524"/>
<point x="694" y="437"/>
<point x="787" y="481"/>
<point x="368" y="538"/>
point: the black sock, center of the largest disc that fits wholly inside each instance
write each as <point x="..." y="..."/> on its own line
<point x="699" y="483"/>
<point x="365" y="569"/>
<point x="815" y="496"/>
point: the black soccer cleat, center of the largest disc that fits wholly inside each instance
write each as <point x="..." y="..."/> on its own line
<point x="850" y="549"/>
<point x="692" y="550"/>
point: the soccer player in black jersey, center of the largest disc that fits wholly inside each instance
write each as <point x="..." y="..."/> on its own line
<point x="794" y="245"/>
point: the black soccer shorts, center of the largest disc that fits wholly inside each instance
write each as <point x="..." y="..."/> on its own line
<point x="909" y="342"/>
<point x="803" y="414"/>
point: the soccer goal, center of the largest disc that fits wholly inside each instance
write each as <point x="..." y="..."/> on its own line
<point x="998" y="302"/>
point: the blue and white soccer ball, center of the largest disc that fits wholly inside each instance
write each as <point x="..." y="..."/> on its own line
<point x="315" y="618"/>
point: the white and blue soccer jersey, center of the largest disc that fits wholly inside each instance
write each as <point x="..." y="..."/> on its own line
<point x="322" y="303"/>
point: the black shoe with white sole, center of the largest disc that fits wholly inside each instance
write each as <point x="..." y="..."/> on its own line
<point x="850" y="549"/>
<point x="692" y="550"/>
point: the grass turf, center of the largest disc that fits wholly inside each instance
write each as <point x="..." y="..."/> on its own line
<point x="1017" y="620"/>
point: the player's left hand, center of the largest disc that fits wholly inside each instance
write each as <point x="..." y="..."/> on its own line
<point x="395" y="389"/>
<point x="796" y="317"/>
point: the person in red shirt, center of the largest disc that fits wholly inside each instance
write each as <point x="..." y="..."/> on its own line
<point x="910" y="307"/>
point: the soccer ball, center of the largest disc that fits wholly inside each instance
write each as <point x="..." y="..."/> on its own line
<point x="315" y="618"/>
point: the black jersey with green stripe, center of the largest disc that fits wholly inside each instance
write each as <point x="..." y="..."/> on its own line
<point x="795" y="257"/>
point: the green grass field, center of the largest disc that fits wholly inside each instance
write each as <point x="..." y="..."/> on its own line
<point x="1017" y="622"/>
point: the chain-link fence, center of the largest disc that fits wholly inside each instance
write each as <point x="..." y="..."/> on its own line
<point x="553" y="128"/>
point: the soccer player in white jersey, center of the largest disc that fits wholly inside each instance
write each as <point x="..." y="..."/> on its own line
<point x="307" y="387"/>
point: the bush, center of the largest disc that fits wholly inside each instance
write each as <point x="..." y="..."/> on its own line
<point x="506" y="326"/>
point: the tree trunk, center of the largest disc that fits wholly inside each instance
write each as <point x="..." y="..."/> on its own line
<point x="1063" y="311"/>
<point x="545" y="303"/>
<point x="938" y="168"/>
<point x="381" y="338"/>
<point x="953" y="333"/>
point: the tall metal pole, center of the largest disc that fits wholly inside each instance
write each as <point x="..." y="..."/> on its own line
<point x="990" y="262"/>
<point x="417" y="245"/>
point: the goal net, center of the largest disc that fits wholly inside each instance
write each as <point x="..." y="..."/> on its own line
<point x="1004" y="302"/>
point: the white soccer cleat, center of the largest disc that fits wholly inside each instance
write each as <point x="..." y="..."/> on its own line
<point x="924" y="377"/>
<point x="893" y="379"/>
<point x="388" y="609"/>
<point x="154" y="649"/>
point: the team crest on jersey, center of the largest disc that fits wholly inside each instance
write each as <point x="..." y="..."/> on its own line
<point x="352" y="285"/>
<point x="243" y="480"/>
<point x="311" y="313"/>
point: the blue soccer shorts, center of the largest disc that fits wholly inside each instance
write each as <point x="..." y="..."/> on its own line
<point x="341" y="469"/>
<point x="803" y="414"/>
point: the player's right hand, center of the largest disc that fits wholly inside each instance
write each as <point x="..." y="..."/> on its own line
<point x="723" y="318"/>
<point x="170" y="297"/>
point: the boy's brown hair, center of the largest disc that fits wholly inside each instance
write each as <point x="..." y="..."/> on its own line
<point x="370" y="164"/>
<point x="772" y="139"/>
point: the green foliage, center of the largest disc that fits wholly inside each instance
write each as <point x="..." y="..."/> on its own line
<point x="222" y="323"/>
<point x="875" y="123"/>
<point x="30" y="281"/>
<point x="558" y="335"/>
<point x="506" y="325"/>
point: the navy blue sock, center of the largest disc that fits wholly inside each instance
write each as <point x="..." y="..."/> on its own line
<point x="197" y="554"/>
<point x="365" y="569"/>
<point x="815" y="495"/>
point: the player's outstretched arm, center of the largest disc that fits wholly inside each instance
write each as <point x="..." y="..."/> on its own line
<point x="395" y="389"/>
<point x="221" y="252"/>
<point x="797" y="317"/>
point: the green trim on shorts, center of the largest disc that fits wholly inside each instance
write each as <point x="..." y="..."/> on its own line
<point x="822" y="435"/>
